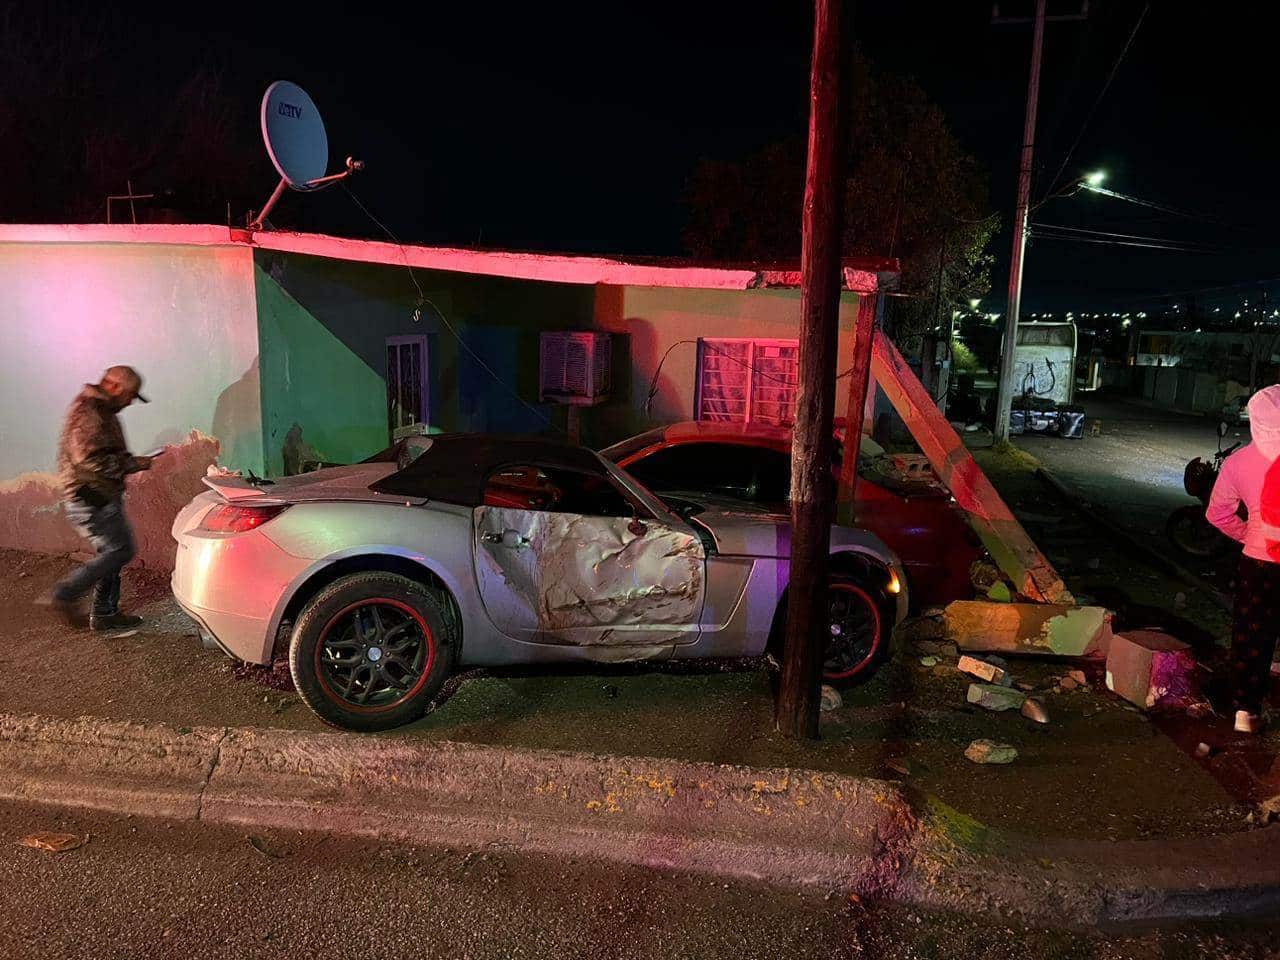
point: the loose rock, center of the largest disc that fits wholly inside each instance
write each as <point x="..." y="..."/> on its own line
<point x="831" y="699"/>
<point x="995" y="698"/>
<point x="937" y="648"/>
<point x="1000" y="592"/>
<point x="1033" y="709"/>
<point x="53" y="842"/>
<point x="1268" y="811"/>
<point x="1079" y="677"/>
<point x="1203" y="750"/>
<point x="988" y="751"/>
<point x="928" y="661"/>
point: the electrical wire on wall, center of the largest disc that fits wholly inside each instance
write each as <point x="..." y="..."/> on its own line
<point x="423" y="300"/>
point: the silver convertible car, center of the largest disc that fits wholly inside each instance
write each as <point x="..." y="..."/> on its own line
<point x="471" y="550"/>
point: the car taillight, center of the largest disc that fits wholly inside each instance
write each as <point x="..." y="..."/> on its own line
<point x="232" y="518"/>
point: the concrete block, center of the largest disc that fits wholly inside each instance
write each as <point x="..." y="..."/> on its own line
<point x="995" y="698"/>
<point x="1149" y="669"/>
<point x="987" y="672"/>
<point x="1043" y="629"/>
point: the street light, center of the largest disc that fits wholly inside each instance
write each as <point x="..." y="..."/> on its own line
<point x="1093" y="179"/>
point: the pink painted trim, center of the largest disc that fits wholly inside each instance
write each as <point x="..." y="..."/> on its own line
<point x="187" y="234"/>
<point x="557" y="268"/>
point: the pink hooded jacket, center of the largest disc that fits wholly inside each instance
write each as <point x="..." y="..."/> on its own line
<point x="1243" y="477"/>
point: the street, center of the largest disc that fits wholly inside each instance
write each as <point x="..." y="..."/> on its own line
<point x="1134" y="467"/>
<point x="156" y="889"/>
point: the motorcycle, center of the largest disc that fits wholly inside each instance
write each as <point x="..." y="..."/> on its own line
<point x="1187" y="527"/>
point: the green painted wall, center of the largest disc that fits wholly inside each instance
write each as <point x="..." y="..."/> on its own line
<point x="310" y="379"/>
<point x="324" y="324"/>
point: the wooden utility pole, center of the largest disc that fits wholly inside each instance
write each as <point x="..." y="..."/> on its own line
<point x="811" y="447"/>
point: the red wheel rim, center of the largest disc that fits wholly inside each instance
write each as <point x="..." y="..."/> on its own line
<point x="367" y="656"/>
<point x="857" y="616"/>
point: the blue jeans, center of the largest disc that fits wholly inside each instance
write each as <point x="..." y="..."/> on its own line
<point x="107" y="528"/>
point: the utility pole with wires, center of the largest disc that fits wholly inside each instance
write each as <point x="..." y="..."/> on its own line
<point x="812" y="503"/>
<point x="1004" y="395"/>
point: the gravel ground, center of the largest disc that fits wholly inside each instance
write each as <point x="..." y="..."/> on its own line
<point x="141" y="888"/>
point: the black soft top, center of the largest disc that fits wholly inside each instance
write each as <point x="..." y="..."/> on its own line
<point x="456" y="466"/>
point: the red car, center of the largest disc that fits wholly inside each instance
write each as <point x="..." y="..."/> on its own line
<point x="897" y="497"/>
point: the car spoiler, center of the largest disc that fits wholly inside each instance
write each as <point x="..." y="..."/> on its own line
<point x="232" y="488"/>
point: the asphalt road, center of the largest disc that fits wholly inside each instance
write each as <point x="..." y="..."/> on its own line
<point x="1134" y="467"/>
<point x="147" y="888"/>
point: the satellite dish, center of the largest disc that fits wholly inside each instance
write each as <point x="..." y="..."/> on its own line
<point x="297" y="144"/>
<point x="294" y="134"/>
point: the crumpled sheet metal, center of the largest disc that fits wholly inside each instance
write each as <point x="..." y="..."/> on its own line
<point x="578" y="572"/>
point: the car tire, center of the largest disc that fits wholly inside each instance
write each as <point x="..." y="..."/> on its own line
<point x="866" y="631"/>
<point x="878" y="614"/>
<point x="371" y="651"/>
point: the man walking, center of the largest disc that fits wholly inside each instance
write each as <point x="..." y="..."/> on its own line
<point x="92" y="464"/>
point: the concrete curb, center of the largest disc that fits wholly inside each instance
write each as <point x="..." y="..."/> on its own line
<point x="787" y="826"/>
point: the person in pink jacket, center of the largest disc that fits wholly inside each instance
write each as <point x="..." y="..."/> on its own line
<point x="1244" y="476"/>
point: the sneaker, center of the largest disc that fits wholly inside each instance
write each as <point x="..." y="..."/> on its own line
<point x="113" y="621"/>
<point x="69" y="610"/>
<point x="1247" y="722"/>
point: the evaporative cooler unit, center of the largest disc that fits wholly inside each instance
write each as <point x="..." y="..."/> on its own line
<point x="575" y="367"/>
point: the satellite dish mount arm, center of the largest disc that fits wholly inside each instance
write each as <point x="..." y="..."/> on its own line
<point x="320" y="183"/>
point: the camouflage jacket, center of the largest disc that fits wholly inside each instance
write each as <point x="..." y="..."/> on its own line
<point x="92" y="457"/>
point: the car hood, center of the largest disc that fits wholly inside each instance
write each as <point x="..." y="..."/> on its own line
<point x="753" y="530"/>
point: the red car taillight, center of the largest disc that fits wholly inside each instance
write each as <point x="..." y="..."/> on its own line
<point x="231" y="518"/>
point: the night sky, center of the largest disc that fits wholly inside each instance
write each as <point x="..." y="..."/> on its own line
<point x="575" y="127"/>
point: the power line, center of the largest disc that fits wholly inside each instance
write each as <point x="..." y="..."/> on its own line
<point x="1166" y="241"/>
<point x="1115" y="67"/>
<point x="1129" y="243"/>
<point x="1163" y="208"/>
<point x="1199" y="290"/>
<point x="422" y="299"/>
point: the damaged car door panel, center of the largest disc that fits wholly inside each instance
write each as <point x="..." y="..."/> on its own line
<point x="487" y="551"/>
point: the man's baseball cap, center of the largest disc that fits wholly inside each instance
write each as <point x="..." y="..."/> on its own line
<point x="127" y="377"/>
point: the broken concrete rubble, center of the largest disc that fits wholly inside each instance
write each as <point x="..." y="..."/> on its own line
<point x="831" y="699"/>
<point x="1152" y="669"/>
<point x="988" y="751"/>
<point x="937" y="649"/>
<point x="1035" y="628"/>
<point x="995" y="698"/>
<point x="1034" y="709"/>
<point x="988" y="672"/>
